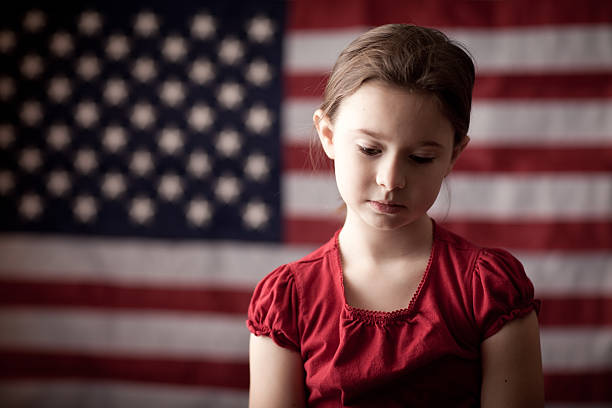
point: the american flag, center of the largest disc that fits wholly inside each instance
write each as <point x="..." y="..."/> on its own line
<point x="154" y="167"/>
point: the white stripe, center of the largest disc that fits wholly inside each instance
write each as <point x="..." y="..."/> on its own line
<point x="541" y="49"/>
<point x="576" y="349"/>
<point x="145" y="333"/>
<point x="182" y="336"/>
<point x="569" y="274"/>
<point x="477" y="197"/>
<point x="19" y="394"/>
<point x="141" y="262"/>
<point x="531" y="123"/>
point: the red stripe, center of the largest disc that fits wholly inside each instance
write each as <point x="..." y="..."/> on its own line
<point x="325" y="14"/>
<point x="194" y="372"/>
<point x="485" y="159"/>
<point x="556" y="311"/>
<point x="579" y="387"/>
<point x="97" y="295"/>
<point x="583" y="235"/>
<point x="592" y="85"/>
<point x="576" y="311"/>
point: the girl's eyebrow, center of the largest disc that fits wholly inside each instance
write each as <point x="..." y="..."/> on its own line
<point x="377" y="135"/>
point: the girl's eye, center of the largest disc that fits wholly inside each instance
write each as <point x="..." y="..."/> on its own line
<point x="421" y="159"/>
<point x="369" y="150"/>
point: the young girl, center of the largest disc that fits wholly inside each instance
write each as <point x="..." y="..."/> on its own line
<point x="396" y="311"/>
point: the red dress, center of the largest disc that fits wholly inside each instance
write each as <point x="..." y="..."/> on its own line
<point x="427" y="355"/>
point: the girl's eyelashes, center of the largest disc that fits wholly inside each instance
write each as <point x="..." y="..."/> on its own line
<point x="421" y="159"/>
<point x="369" y="151"/>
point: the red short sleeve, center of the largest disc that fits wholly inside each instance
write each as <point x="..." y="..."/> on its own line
<point x="501" y="291"/>
<point x="273" y="310"/>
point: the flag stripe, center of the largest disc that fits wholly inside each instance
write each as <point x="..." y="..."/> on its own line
<point x="513" y="235"/>
<point x="468" y="196"/>
<point x="90" y="394"/>
<point x="591" y="85"/>
<point x="483" y="14"/>
<point x="554" y="49"/>
<point x="581" y="387"/>
<point x="556" y="311"/>
<point x="525" y="123"/>
<point x="483" y="159"/>
<point x="69" y="365"/>
<point x="188" y="336"/>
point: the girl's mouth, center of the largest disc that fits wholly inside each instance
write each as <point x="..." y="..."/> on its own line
<point x="386" y="207"/>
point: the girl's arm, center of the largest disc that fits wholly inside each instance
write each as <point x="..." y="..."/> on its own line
<point x="277" y="375"/>
<point x="512" y="366"/>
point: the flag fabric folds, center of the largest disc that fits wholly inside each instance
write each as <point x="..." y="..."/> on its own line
<point x="154" y="167"/>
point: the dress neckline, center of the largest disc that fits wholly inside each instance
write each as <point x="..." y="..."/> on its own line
<point x="380" y="316"/>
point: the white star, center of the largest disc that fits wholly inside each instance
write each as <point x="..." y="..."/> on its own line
<point x="30" y="159"/>
<point x="141" y="210"/>
<point x="7" y="88"/>
<point x="260" y="29"/>
<point x="58" y="136"/>
<point x="198" y="164"/>
<point x="114" y="138"/>
<point x="202" y="71"/>
<point x="257" y="167"/>
<point x="32" y="66"/>
<point x="88" y="67"/>
<point x="143" y="115"/>
<point x="255" y="215"/>
<point x="86" y="114"/>
<point x="259" y="72"/>
<point x="31" y="113"/>
<point x="7" y="135"/>
<point x="85" y="161"/>
<point x="259" y="119"/>
<point x="7" y="41"/>
<point x="58" y="182"/>
<point x="144" y="69"/>
<point x="228" y="143"/>
<point x="199" y="212"/>
<point x="34" y="20"/>
<point x="90" y="22"/>
<point x="59" y="89"/>
<point x="231" y="51"/>
<point x="141" y="163"/>
<point x="203" y="26"/>
<point x="85" y="208"/>
<point x="117" y="46"/>
<point x="172" y="92"/>
<point x="170" y="187"/>
<point x="113" y="185"/>
<point x="174" y="48"/>
<point x="30" y="206"/>
<point x="201" y="117"/>
<point x="227" y="189"/>
<point x="115" y="91"/>
<point x="230" y="95"/>
<point x="61" y="44"/>
<point x="171" y="140"/>
<point x="7" y="182"/>
<point x="146" y="24"/>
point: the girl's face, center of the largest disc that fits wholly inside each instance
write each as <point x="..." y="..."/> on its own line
<point x="391" y="149"/>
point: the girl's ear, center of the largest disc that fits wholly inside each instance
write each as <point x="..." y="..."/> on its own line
<point x="457" y="152"/>
<point x="325" y="132"/>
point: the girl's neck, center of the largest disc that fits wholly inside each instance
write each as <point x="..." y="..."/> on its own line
<point x="367" y="243"/>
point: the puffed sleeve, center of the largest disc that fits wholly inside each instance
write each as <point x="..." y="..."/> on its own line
<point x="501" y="291"/>
<point x="273" y="309"/>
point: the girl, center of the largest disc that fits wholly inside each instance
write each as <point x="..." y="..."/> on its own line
<point x="396" y="311"/>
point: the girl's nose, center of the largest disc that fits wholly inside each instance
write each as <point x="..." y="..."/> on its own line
<point x="391" y="175"/>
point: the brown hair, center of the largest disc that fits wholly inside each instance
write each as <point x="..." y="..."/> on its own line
<point x="416" y="58"/>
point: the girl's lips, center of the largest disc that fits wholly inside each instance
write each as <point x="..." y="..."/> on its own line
<point x="386" y="208"/>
